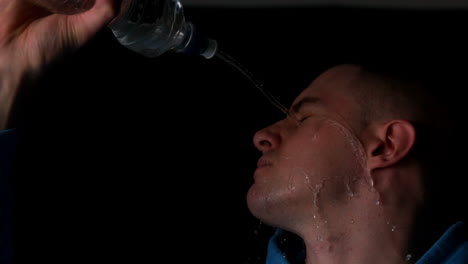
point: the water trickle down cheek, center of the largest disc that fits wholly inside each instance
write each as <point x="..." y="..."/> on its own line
<point x="359" y="156"/>
<point x="355" y="173"/>
<point x="301" y="180"/>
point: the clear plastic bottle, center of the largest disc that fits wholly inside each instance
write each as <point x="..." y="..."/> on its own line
<point x="152" y="27"/>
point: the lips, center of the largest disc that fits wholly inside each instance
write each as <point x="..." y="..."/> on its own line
<point x="263" y="162"/>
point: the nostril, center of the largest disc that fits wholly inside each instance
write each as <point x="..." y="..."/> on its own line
<point x="265" y="143"/>
<point x="266" y="139"/>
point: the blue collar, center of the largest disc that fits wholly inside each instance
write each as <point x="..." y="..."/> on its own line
<point x="451" y="248"/>
<point x="274" y="254"/>
<point x="285" y="248"/>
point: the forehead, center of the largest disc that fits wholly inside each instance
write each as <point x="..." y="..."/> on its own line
<point x="334" y="87"/>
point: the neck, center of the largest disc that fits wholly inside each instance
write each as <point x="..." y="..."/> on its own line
<point x="378" y="235"/>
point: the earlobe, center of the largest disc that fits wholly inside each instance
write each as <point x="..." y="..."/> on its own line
<point x="389" y="143"/>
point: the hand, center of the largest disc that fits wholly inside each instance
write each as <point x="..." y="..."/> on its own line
<point x="32" y="36"/>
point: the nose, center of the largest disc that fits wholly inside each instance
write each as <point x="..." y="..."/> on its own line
<point x="267" y="139"/>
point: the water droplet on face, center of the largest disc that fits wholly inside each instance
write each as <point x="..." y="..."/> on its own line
<point x="352" y="221"/>
<point x="408" y="257"/>
<point x="393" y="228"/>
<point x="388" y="222"/>
<point x="349" y="191"/>
<point x="377" y="202"/>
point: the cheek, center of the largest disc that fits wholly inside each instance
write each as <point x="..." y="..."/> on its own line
<point x="312" y="168"/>
<point x="325" y="158"/>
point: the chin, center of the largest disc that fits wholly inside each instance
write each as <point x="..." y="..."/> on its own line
<point x="264" y="206"/>
<point x="253" y="199"/>
<point x="257" y="202"/>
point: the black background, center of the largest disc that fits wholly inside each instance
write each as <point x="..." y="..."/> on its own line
<point x="126" y="158"/>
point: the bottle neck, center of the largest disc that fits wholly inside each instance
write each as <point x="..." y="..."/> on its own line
<point x="196" y="43"/>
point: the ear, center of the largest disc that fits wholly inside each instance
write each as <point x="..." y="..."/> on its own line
<point x="389" y="143"/>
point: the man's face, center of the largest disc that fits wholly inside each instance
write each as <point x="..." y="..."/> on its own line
<point x="312" y="160"/>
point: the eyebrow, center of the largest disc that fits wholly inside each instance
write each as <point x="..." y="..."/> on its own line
<point x="306" y="100"/>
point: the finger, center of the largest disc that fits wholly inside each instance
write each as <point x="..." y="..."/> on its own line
<point x="66" y="7"/>
<point x="86" y="24"/>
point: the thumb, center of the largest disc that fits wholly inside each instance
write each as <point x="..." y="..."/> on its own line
<point x="86" y="24"/>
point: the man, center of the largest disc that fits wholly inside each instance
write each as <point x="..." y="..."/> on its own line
<point x="32" y="37"/>
<point x="347" y="172"/>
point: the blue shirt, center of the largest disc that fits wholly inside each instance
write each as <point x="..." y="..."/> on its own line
<point x="451" y="248"/>
<point x="8" y="141"/>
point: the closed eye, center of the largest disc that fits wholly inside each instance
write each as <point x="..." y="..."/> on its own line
<point x="298" y="118"/>
<point x="302" y="119"/>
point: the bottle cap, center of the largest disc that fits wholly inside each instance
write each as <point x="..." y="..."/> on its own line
<point x="210" y="50"/>
<point x="196" y="43"/>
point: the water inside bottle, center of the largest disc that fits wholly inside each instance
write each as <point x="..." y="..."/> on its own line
<point x="150" y="27"/>
<point x="259" y="85"/>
